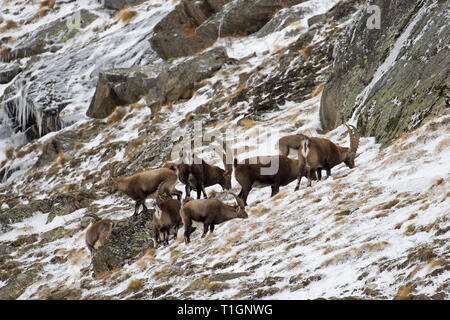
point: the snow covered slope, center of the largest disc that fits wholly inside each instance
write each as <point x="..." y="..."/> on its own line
<point x="378" y="231"/>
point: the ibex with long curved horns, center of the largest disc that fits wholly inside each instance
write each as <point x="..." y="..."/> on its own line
<point x="98" y="232"/>
<point x="318" y="154"/>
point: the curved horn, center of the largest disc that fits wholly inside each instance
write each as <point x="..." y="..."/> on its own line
<point x="238" y="200"/>
<point x="354" y="139"/>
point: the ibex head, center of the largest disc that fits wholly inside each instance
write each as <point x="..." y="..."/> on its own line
<point x="240" y="207"/>
<point x="354" y="142"/>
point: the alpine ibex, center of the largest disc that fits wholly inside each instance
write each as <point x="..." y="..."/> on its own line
<point x="199" y="175"/>
<point x="250" y="173"/>
<point x="166" y="218"/>
<point x="210" y="212"/>
<point x="318" y="154"/>
<point x="144" y="184"/>
<point x="98" y="232"/>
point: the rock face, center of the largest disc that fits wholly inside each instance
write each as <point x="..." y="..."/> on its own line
<point x="8" y="72"/>
<point x="128" y="238"/>
<point x="159" y="83"/>
<point x="119" y="4"/>
<point x="390" y="82"/>
<point x="195" y="25"/>
<point x="50" y="36"/>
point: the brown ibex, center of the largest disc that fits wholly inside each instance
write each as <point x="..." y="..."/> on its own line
<point x="144" y="184"/>
<point x="199" y="175"/>
<point x="98" y="232"/>
<point x="250" y="173"/>
<point x="286" y="143"/>
<point x="318" y="154"/>
<point x="166" y="218"/>
<point x="210" y="212"/>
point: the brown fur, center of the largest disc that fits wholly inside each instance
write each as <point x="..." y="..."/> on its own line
<point x="202" y="175"/>
<point x="210" y="212"/>
<point x="98" y="232"/>
<point x="290" y="142"/>
<point x="166" y="218"/>
<point x="248" y="174"/>
<point x="142" y="185"/>
<point x="316" y="154"/>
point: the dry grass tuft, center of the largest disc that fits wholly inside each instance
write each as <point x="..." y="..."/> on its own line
<point x="9" y="153"/>
<point x="317" y="89"/>
<point x="306" y="51"/>
<point x="403" y="293"/>
<point x="125" y="15"/>
<point x="4" y="52"/>
<point x="9" y="24"/>
<point x="116" y="116"/>
<point x="444" y="144"/>
<point x="61" y="159"/>
<point x="247" y="123"/>
<point x="135" y="285"/>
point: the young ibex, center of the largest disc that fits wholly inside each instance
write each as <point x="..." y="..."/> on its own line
<point x="292" y="141"/>
<point x="201" y="175"/>
<point x="210" y="212"/>
<point x="98" y="232"/>
<point x="166" y="218"/>
<point x="316" y="154"/>
<point x="144" y="184"/>
<point x="249" y="174"/>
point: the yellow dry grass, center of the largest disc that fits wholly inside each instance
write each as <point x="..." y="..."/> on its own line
<point x="135" y="285"/>
<point x="125" y="15"/>
<point x="317" y="89"/>
<point x="9" y="24"/>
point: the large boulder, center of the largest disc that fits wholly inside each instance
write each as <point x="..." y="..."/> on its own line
<point x="159" y="83"/>
<point x="385" y="79"/>
<point x="196" y="24"/>
<point x="129" y="238"/>
<point x="175" y="36"/>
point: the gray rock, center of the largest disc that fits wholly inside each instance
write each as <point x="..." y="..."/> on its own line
<point x="19" y="213"/>
<point x="281" y="20"/>
<point x="175" y="35"/>
<point x="413" y="87"/>
<point x="51" y="36"/>
<point x="8" y="72"/>
<point x="129" y="238"/>
<point x="159" y="83"/>
<point x="63" y="142"/>
<point x="119" y="4"/>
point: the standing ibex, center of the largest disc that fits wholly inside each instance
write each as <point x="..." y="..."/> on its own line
<point x="145" y="184"/>
<point x="250" y="173"/>
<point x="316" y="154"/>
<point x="199" y="175"/>
<point x="210" y="212"/>
<point x="98" y="232"/>
<point x="166" y="217"/>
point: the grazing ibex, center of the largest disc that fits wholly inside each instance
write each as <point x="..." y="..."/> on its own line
<point x="199" y="175"/>
<point x="250" y="173"/>
<point x="210" y="212"/>
<point x="166" y="218"/>
<point x="98" y="232"/>
<point x="316" y="154"/>
<point x="144" y="184"/>
<point x="292" y="141"/>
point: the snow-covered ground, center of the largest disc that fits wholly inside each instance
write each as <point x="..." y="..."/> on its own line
<point x="359" y="233"/>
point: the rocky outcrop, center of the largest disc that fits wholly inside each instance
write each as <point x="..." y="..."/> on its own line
<point x="129" y="238"/>
<point x="390" y="79"/>
<point x="159" y="83"/>
<point x="195" y="25"/>
<point x="51" y="36"/>
<point x="175" y="36"/>
<point x="63" y="142"/>
<point x="9" y="71"/>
